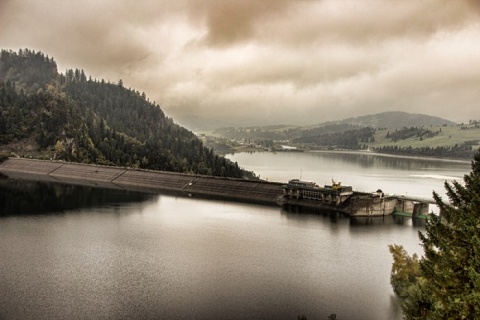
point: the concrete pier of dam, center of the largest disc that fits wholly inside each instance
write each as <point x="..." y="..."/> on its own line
<point x="239" y="190"/>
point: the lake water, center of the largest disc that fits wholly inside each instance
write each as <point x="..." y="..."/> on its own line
<point x="363" y="171"/>
<point x="72" y="252"/>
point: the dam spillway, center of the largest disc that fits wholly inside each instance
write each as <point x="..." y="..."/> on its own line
<point x="240" y="190"/>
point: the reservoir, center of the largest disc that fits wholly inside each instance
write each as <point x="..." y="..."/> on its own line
<point x="367" y="172"/>
<point x="73" y="252"/>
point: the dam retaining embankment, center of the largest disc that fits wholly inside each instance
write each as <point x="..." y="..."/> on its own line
<point x="143" y="180"/>
<point x="189" y="185"/>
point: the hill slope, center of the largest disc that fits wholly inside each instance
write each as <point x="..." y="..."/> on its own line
<point x="396" y="120"/>
<point x="69" y="117"/>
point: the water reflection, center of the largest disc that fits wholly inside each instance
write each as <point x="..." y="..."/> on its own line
<point x="363" y="171"/>
<point x="366" y="160"/>
<point x="25" y="197"/>
<point x="370" y="221"/>
<point x="299" y="212"/>
<point x="363" y="160"/>
<point x="178" y="258"/>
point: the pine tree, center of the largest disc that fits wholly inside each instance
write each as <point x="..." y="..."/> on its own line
<point x="449" y="287"/>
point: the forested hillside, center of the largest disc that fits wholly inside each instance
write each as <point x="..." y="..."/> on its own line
<point x="47" y="114"/>
<point x="342" y="136"/>
<point x="330" y="136"/>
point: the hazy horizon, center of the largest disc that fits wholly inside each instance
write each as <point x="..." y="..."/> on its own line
<point x="244" y="63"/>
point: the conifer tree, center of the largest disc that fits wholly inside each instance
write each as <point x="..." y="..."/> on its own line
<point x="449" y="287"/>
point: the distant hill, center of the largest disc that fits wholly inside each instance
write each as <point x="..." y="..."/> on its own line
<point x="397" y="133"/>
<point x="72" y="117"/>
<point x="396" y="120"/>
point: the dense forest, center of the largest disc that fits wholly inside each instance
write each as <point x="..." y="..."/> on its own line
<point x="46" y="114"/>
<point x="463" y="151"/>
<point x="341" y="136"/>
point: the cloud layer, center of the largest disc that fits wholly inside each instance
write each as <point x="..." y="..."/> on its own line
<point x="215" y="63"/>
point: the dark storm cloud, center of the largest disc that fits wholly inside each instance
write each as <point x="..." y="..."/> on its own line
<point x="230" y="22"/>
<point x="248" y="62"/>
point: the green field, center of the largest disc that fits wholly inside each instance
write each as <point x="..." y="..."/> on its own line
<point x="447" y="136"/>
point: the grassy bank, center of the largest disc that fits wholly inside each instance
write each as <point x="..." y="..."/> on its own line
<point x="444" y="136"/>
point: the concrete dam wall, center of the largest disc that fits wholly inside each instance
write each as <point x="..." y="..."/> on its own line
<point x="143" y="180"/>
<point x="268" y="193"/>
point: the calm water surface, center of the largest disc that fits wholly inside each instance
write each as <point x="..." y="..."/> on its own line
<point x="70" y="252"/>
<point x="363" y="171"/>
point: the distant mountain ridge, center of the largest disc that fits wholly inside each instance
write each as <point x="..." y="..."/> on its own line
<point x="396" y="120"/>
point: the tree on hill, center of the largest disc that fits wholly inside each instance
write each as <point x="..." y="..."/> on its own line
<point x="448" y="285"/>
<point x="29" y="69"/>
<point x="406" y="133"/>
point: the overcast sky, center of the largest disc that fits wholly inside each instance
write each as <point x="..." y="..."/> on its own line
<point x="215" y="63"/>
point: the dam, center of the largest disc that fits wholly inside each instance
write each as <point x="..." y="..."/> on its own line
<point x="295" y="192"/>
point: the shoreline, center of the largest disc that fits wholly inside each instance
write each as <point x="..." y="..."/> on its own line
<point x="388" y="155"/>
<point x="362" y="152"/>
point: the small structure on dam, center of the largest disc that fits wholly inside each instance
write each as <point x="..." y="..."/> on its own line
<point x="353" y="203"/>
<point x="334" y="194"/>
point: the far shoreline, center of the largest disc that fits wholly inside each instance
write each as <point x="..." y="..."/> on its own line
<point x="363" y="152"/>
<point x="388" y="155"/>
